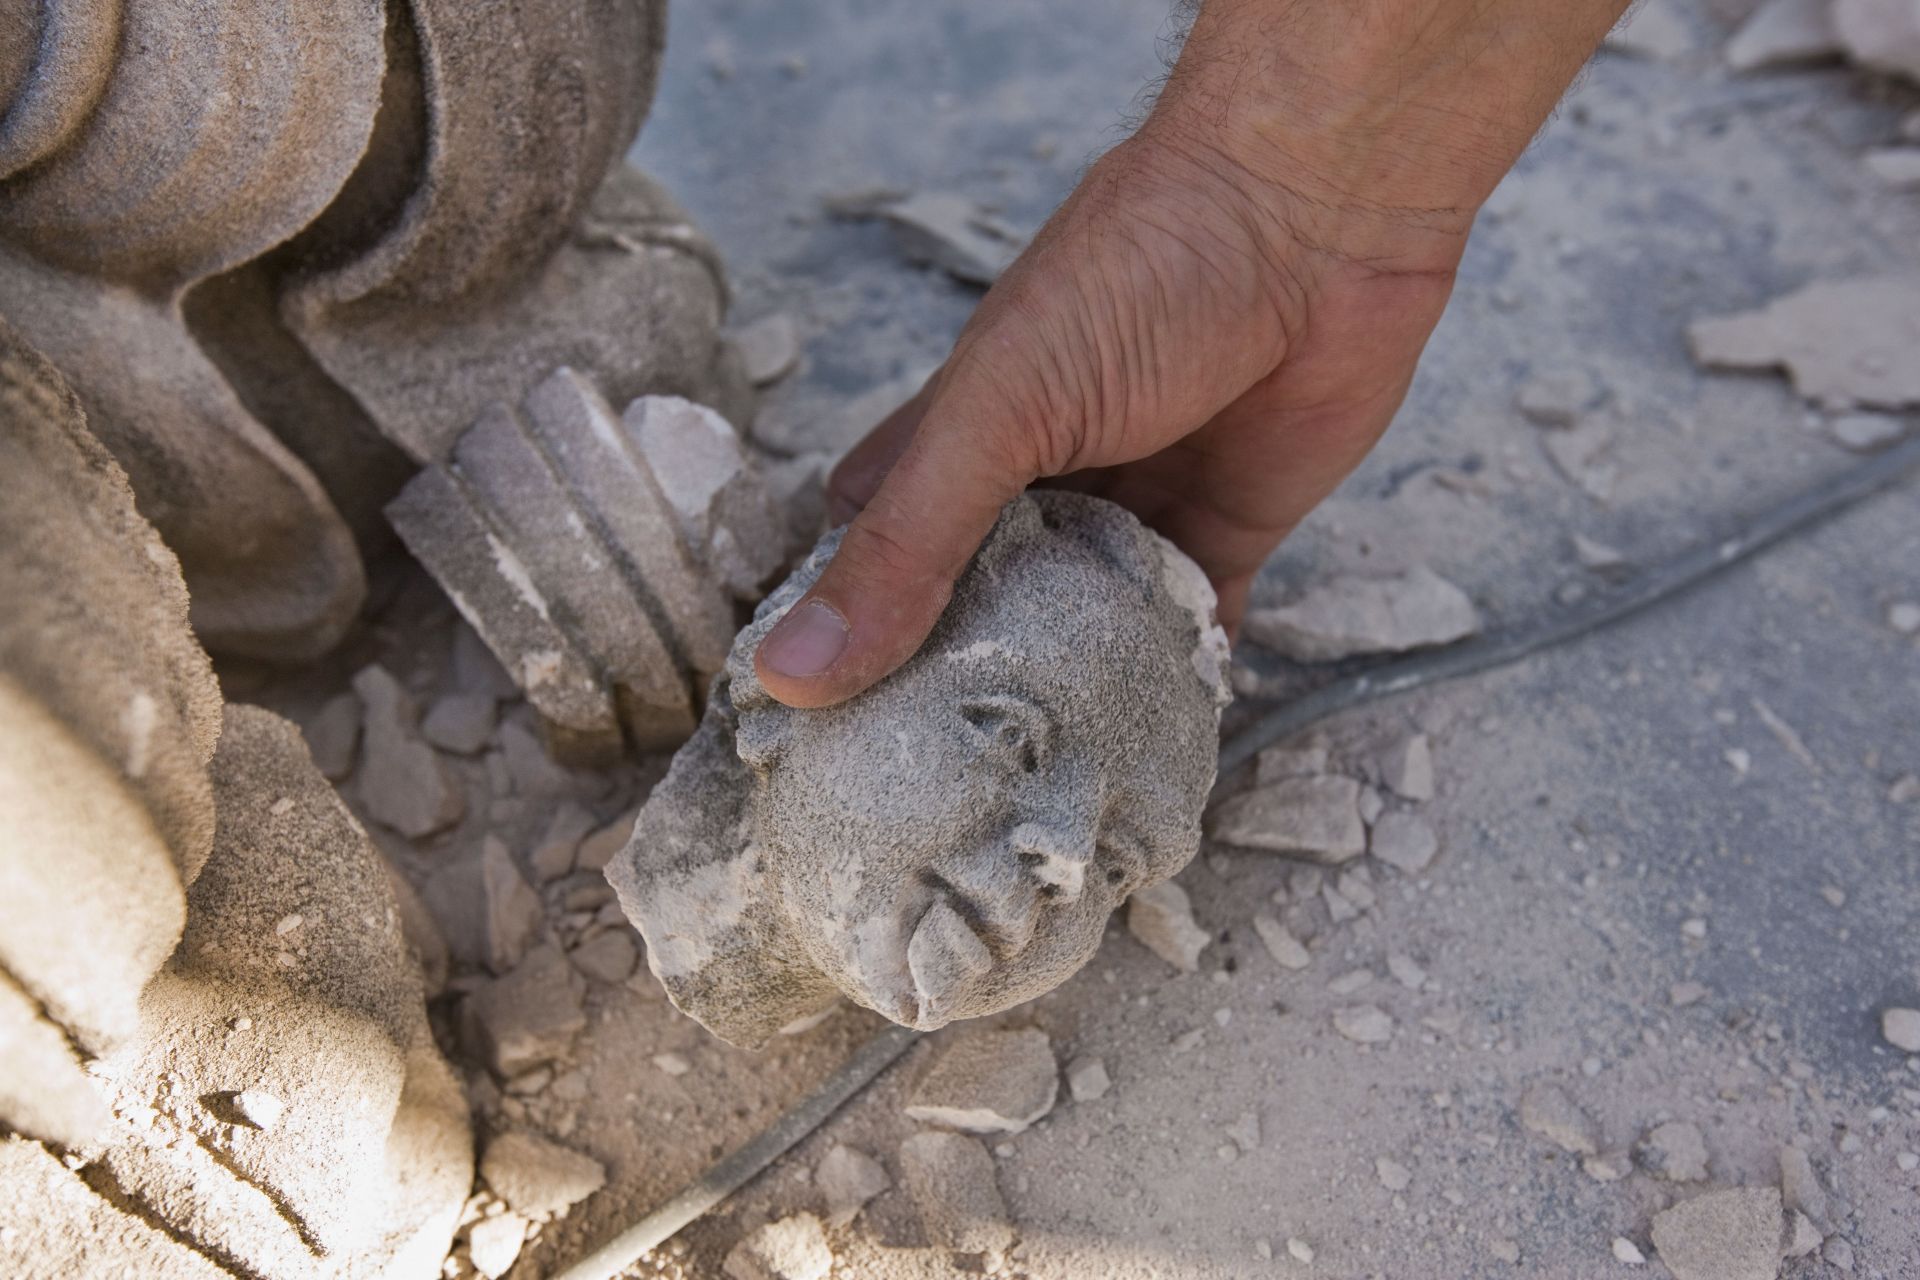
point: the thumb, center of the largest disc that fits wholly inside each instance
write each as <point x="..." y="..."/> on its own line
<point x="887" y="585"/>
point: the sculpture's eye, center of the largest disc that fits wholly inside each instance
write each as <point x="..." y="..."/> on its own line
<point x="1011" y="728"/>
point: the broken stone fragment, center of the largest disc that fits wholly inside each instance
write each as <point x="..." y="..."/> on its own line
<point x="608" y="957"/>
<point x="1866" y="432"/>
<point x="528" y="1017"/>
<point x="1597" y="556"/>
<point x="1276" y="763"/>
<point x="539" y="1178"/>
<point x="769" y="347"/>
<point x="793" y="1248"/>
<point x="487" y="912"/>
<point x="1545" y="1109"/>
<point x="1901" y="1027"/>
<point x="599" y="848"/>
<point x="1087" y="1079"/>
<point x="1843" y="342"/>
<point x="1652" y="29"/>
<point x="1895" y="167"/>
<point x="1800" y="1188"/>
<point x="1784" y="33"/>
<point x="726" y="513"/>
<point x="1881" y="34"/>
<point x="494" y="1243"/>
<point x="1286" y="949"/>
<point x="258" y="1108"/>
<point x="1363" y="1024"/>
<point x="1404" y="841"/>
<point x="1802" y="1236"/>
<point x="951" y="1180"/>
<point x="945" y="231"/>
<point x="1354" y="615"/>
<point x="460" y="722"/>
<point x="1722" y="1235"/>
<point x="1406" y="766"/>
<point x="332" y="734"/>
<point x="553" y="856"/>
<point x="989" y="1082"/>
<point x="1312" y="817"/>
<point x="1584" y="456"/>
<point x="848" y="1179"/>
<point x="1161" y="917"/>
<point x="1558" y="398"/>
<point x="1674" y="1151"/>
<point x="402" y="782"/>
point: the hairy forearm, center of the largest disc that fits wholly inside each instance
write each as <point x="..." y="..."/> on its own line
<point x="1379" y="118"/>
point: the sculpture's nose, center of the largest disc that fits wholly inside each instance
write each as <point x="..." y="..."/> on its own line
<point x="1055" y="854"/>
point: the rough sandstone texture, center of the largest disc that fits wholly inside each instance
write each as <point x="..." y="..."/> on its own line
<point x="952" y="842"/>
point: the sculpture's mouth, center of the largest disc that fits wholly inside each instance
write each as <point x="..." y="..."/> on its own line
<point x="946" y="958"/>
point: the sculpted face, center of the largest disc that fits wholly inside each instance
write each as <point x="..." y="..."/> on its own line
<point x="952" y="842"/>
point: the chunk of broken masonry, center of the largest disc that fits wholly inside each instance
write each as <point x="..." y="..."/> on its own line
<point x="1355" y="615"/>
<point x="932" y="849"/>
<point x="1317" y="818"/>
<point x="402" y="782"/>
<point x="951" y="1180"/>
<point x="528" y="1017"/>
<point x="793" y="1248"/>
<point x="1723" y="1235"/>
<point x="558" y="536"/>
<point x="848" y="1179"/>
<point x="1161" y="917"/>
<point x="989" y="1082"/>
<point x="1843" y="342"/>
<point x="539" y="1178"/>
<point x="1404" y="841"/>
<point x="1406" y="766"/>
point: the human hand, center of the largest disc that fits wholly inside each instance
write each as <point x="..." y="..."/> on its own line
<point x="1214" y="328"/>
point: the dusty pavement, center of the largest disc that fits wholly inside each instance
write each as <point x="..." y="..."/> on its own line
<point x="1677" y="873"/>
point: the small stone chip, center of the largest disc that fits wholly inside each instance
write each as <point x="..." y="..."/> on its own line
<point x="1288" y="951"/>
<point x="794" y="1248"/>
<point x="1404" y="841"/>
<point x="1161" y="917"/>
<point x="1901" y="1027"/>
<point x="1087" y="1079"/>
<point x="989" y="1082"/>
<point x="848" y="1179"/>
<point x="1407" y="767"/>
<point x="1299" y="1250"/>
<point x="1675" y="1151"/>
<point x="672" y="1064"/>
<point x="1800" y="1188"/>
<point x="493" y="1244"/>
<point x="1802" y="1236"/>
<point x="1682" y="994"/>
<point x="951" y="1180"/>
<point x="538" y="1178"/>
<point x="1363" y="1024"/>
<point x="1545" y="1109"/>
<point x="1316" y="817"/>
<point x="1625" y="1250"/>
<point x="1722" y="1235"/>
<point x="1393" y="1175"/>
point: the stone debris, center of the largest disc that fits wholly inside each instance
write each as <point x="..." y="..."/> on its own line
<point x="1161" y="918"/>
<point x="403" y="783"/>
<point x="1244" y="1132"/>
<point x="1558" y="398"/>
<point x="794" y="1248"/>
<point x="528" y="1017"/>
<point x="726" y="512"/>
<point x="1598" y="557"/>
<point x="1881" y="34"/>
<point x="989" y="1082"/>
<point x="610" y="956"/>
<point x="1371" y="805"/>
<point x="539" y="1178"/>
<point x="494" y="1243"/>
<point x="1584" y="455"/>
<point x="672" y="1064"/>
<point x="769" y="347"/>
<point x="1317" y="818"/>
<point x="1626" y="1251"/>
<point x="1404" y="841"/>
<point x="1800" y="1189"/>
<point x="1299" y="1250"/>
<point x="1275" y="763"/>
<point x="1682" y="994"/>
<point x="1546" y="1110"/>
<point x="487" y="912"/>
<point x="460" y="722"/>
<point x="1288" y="951"/>
<point x="1722" y="1235"/>
<point x="1674" y="1151"/>
<point x="948" y="232"/>
<point x="1901" y="1027"/>
<point x="848" y="1179"/>
<point x="258" y="1108"/>
<point x="1843" y="342"/>
<point x="1087" y="1079"/>
<point x="1356" y="886"/>
<point x="1652" y="29"/>
<point x="1608" y="1166"/>
<point x="1354" y="615"/>
<point x="598" y="849"/>
<point x="1786" y="734"/>
<point x="1837" y="1253"/>
<point x="1784" y="33"/>
<point x="1507" y="1251"/>
<point x="1904" y="616"/>
<point x="1406" y="970"/>
<point x="1393" y="1175"/>
<point x="1363" y="1024"/>
<point x="1802" y="1236"/>
<point x="1406" y="766"/>
<point x="1866" y="432"/>
<point x="333" y="735"/>
<point x="951" y="1180"/>
<point x="554" y="855"/>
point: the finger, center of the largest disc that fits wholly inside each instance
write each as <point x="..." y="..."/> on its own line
<point x="857" y="476"/>
<point x="895" y="569"/>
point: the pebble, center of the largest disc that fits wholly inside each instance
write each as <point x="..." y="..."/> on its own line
<point x="848" y="1179"/>
<point x="1288" y="951"/>
<point x="1407" y="767"/>
<point x="1625" y="1250"/>
<point x="1682" y="994"/>
<point x="672" y="1064"/>
<point x="1722" y="1235"/>
<point x="1557" y="398"/>
<point x="528" y="1017"/>
<point x="1363" y="1024"/>
<point x="1800" y="1188"/>
<point x="332" y="734"/>
<point x="597" y="850"/>
<point x="950" y="1179"/>
<point x="539" y="1178"/>
<point x="403" y="783"/>
<point x="1317" y="818"/>
<point x="1393" y="1175"/>
<point x="1276" y="763"/>
<point x="1406" y="971"/>
<point x="1597" y="557"/>
<point x="1907" y="1161"/>
<point x="1355" y="615"/>
<point x="1161" y="917"/>
<point x="1507" y="1251"/>
<point x="1904" y="616"/>
<point x="794" y="1248"/>
<point x="1696" y="929"/>
<point x="553" y="856"/>
<point x="1404" y="841"/>
<point x="1802" y="1236"/>
<point x="609" y="957"/>
<point x="1087" y="1079"/>
<point x="1901" y="1027"/>
<point x="1546" y="1110"/>
<point x="1837" y="1253"/>
<point x="460" y="722"/>
<point x="989" y="1082"/>
<point x="769" y="347"/>
<point x="1865" y="432"/>
<point x="1675" y="1151"/>
<point x="1836" y="896"/>
<point x="1299" y="1250"/>
<point x="493" y="1244"/>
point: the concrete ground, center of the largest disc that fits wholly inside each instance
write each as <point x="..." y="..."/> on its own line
<point x="1597" y="845"/>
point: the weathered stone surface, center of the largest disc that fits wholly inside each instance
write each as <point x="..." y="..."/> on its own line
<point x="539" y="1178"/>
<point x="951" y="1180"/>
<point x="1843" y="342"/>
<point x="528" y="1017"/>
<point x="1317" y="818"/>
<point x="989" y="1082"/>
<point x="870" y="849"/>
<point x="793" y="1248"/>
<point x="1161" y="917"/>
<point x="1722" y="1235"/>
<point x="848" y="1179"/>
<point x="401" y="781"/>
<point x="1354" y="615"/>
<point x="60" y="1226"/>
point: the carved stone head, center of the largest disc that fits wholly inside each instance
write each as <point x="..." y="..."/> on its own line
<point x="952" y="842"/>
